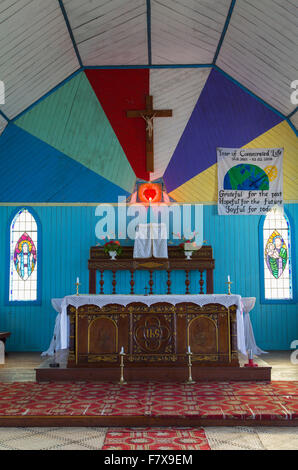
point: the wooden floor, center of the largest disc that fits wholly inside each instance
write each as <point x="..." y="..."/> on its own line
<point x="20" y="366"/>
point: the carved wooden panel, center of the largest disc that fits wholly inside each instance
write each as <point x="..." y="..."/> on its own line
<point x="203" y="335"/>
<point x="153" y="333"/>
<point x="102" y="336"/>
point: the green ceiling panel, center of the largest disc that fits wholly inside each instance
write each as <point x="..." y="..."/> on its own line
<point x="73" y="121"/>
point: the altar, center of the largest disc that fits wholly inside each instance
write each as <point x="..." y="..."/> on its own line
<point x="153" y="329"/>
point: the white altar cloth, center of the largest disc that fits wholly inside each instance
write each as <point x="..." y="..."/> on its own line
<point x="62" y="325"/>
<point x="151" y="240"/>
<point x="248" y="304"/>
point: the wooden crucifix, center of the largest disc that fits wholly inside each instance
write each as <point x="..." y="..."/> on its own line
<point x="149" y="114"/>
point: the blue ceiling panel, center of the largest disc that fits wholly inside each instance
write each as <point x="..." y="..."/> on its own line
<point x="33" y="171"/>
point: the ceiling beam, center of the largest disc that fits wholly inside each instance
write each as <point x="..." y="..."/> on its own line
<point x="227" y="22"/>
<point x="4" y="116"/>
<point x="149" y="32"/>
<point x="70" y="32"/>
<point x="292" y="126"/>
<point x="292" y="113"/>
<point x="152" y="66"/>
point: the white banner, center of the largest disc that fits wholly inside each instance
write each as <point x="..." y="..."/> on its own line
<point x="249" y="180"/>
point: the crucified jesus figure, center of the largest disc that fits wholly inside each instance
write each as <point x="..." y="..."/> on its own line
<point x="149" y="122"/>
<point x="149" y="114"/>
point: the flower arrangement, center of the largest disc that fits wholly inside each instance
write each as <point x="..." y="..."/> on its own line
<point x="112" y="245"/>
<point x="188" y="243"/>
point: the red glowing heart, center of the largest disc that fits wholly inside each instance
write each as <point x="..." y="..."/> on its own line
<point x="149" y="194"/>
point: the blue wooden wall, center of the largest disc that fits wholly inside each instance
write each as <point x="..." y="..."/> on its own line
<point x="68" y="233"/>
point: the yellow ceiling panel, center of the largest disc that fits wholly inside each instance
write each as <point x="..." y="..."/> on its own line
<point x="203" y="187"/>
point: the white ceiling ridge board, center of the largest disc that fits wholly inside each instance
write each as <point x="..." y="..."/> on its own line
<point x="247" y="53"/>
<point x="114" y="20"/>
<point x="117" y="26"/>
<point x="240" y="41"/>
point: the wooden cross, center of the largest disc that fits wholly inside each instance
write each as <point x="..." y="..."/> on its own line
<point x="149" y="114"/>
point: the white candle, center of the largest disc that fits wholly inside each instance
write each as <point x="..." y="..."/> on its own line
<point x="122" y="350"/>
<point x="78" y="280"/>
<point x="189" y="349"/>
<point x="228" y="278"/>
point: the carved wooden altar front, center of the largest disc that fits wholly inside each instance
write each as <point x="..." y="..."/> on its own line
<point x="152" y="335"/>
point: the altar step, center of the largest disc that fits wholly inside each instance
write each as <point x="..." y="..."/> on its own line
<point x="149" y="404"/>
<point x="153" y="374"/>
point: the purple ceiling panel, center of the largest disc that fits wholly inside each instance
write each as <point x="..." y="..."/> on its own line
<point x="225" y="116"/>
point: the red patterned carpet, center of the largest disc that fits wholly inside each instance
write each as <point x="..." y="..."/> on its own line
<point x="156" y="439"/>
<point x="276" y="402"/>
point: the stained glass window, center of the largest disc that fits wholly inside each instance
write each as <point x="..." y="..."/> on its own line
<point x="277" y="256"/>
<point x="23" y="267"/>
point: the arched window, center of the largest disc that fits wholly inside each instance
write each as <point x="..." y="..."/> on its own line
<point x="276" y="270"/>
<point x="24" y="257"/>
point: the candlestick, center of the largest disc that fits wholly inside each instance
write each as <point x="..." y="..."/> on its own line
<point x="122" y="354"/>
<point x="229" y="286"/>
<point x="77" y="286"/>
<point x="189" y="380"/>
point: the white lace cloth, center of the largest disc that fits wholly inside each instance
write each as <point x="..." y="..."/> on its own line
<point x="61" y="330"/>
<point x="62" y="323"/>
<point x="151" y="240"/>
<point x="250" y="342"/>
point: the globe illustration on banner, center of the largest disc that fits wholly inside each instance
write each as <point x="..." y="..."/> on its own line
<point x="246" y="177"/>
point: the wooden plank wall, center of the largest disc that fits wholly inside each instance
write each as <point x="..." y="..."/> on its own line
<point x="68" y="233"/>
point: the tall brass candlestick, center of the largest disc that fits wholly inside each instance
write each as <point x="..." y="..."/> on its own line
<point x="229" y="287"/>
<point x="190" y="379"/>
<point x="77" y="286"/>
<point x="122" y="354"/>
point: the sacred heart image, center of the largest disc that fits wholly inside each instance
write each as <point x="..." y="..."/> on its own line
<point x="276" y="254"/>
<point x="150" y="192"/>
<point x="25" y="256"/>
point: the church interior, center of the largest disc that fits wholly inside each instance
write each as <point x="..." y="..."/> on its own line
<point x="148" y="293"/>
